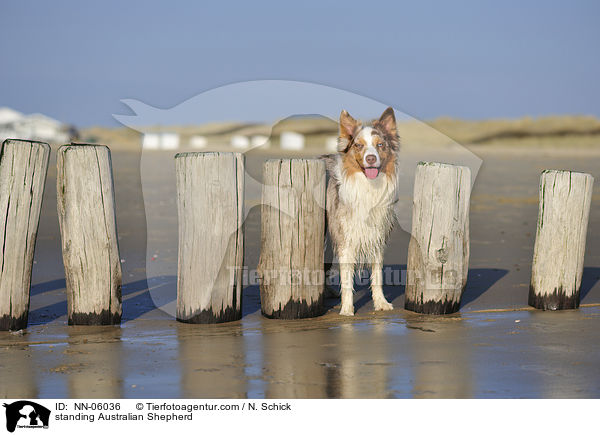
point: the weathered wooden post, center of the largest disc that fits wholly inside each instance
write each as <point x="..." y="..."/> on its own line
<point x="23" y="168"/>
<point x="438" y="251"/>
<point x="293" y="228"/>
<point x="564" y="209"/>
<point x="86" y="212"/>
<point x="210" y="198"/>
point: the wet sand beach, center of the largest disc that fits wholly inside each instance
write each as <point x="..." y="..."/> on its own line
<point x="495" y="347"/>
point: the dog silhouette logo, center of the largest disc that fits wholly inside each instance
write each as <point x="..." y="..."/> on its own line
<point x="26" y="414"/>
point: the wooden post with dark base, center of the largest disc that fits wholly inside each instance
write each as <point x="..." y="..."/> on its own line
<point x="210" y="199"/>
<point x="438" y="251"/>
<point x="23" y="168"/>
<point x="557" y="268"/>
<point x="291" y="266"/>
<point x="86" y="212"/>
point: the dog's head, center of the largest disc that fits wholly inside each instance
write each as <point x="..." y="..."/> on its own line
<point x="371" y="149"/>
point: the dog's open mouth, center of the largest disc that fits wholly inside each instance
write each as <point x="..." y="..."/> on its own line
<point x="371" y="173"/>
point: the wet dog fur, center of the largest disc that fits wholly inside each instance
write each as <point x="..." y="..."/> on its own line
<point x="361" y="192"/>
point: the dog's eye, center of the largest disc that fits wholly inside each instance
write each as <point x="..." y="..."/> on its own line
<point x="358" y="145"/>
<point x="380" y="144"/>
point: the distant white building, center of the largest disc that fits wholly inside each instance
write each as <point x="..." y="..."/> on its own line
<point x="198" y="142"/>
<point x="331" y="144"/>
<point x="8" y="115"/>
<point x="151" y="141"/>
<point x="169" y="141"/>
<point x="160" y="141"/>
<point x="40" y="127"/>
<point x="240" y="142"/>
<point x="291" y="141"/>
<point x="259" y="140"/>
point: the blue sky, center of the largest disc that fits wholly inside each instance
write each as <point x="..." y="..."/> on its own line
<point x="75" y="61"/>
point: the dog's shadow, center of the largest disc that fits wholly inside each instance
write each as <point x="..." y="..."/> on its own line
<point x="478" y="282"/>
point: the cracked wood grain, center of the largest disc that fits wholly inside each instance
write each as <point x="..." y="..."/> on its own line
<point x="86" y="212"/>
<point x="292" y="238"/>
<point x="438" y="251"/>
<point x="210" y="198"/>
<point x="564" y="208"/>
<point x="23" y="168"/>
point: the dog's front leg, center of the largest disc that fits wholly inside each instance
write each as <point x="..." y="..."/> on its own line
<point x="379" y="300"/>
<point x="347" y="283"/>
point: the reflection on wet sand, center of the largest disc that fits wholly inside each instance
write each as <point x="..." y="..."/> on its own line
<point x="79" y="362"/>
<point x="492" y="354"/>
<point x="93" y="360"/>
<point x="212" y="361"/>
<point x="291" y="362"/>
<point x="440" y="357"/>
<point x="344" y="361"/>
<point x="254" y="362"/>
<point x="362" y="363"/>
<point x="563" y="368"/>
<point x="15" y="364"/>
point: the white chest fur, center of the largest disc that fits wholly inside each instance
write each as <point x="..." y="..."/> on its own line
<point x="368" y="212"/>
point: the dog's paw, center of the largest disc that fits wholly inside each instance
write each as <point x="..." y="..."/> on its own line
<point x="347" y="311"/>
<point x="382" y="305"/>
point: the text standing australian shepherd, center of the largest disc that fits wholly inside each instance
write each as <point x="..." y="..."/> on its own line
<point x="361" y="192"/>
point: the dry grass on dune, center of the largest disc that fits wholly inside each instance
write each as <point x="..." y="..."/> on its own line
<point x="121" y="137"/>
<point x="494" y="130"/>
<point x="558" y="131"/>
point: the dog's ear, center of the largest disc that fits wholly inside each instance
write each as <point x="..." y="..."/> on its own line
<point x="387" y="122"/>
<point x="348" y="127"/>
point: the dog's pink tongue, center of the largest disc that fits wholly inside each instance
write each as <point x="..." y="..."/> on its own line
<point x="371" y="173"/>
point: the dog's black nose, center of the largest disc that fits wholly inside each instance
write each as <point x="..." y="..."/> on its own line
<point x="371" y="159"/>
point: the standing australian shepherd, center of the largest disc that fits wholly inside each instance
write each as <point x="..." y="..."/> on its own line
<point x="361" y="193"/>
